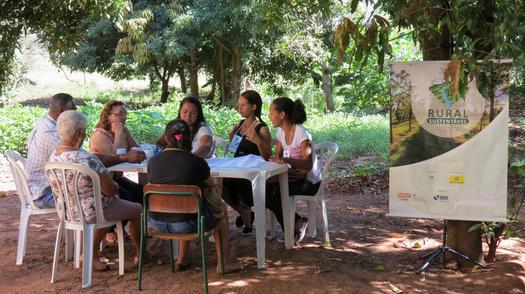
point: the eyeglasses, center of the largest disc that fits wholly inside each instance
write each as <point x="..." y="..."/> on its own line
<point x="122" y="114"/>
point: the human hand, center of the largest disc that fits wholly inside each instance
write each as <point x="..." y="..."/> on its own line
<point x="276" y="159"/>
<point x="117" y="127"/>
<point x="252" y="136"/>
<point x="134" y="156"/>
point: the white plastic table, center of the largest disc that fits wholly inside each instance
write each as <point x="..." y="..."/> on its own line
<point x="257" y="176"/>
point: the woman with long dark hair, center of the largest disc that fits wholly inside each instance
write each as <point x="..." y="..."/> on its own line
<point x="295" y="148"/>
<point x="190" y="111"/>
<point x="250" y="136"/>
<point x="192" y="170"/>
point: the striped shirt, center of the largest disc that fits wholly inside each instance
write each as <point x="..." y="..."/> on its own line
<point x="41" y="142"/>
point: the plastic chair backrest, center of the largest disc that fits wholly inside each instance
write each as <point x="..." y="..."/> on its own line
<point x="160" y="198"/>
<point x="17" y="163"/>
<point x="325" y="153"/>
<point x="67" y="200"/>
<point x="220" y="142"/>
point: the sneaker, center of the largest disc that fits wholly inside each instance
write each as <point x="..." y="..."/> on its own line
<point x="300" y="229"/>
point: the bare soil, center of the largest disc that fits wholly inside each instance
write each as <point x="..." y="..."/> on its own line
<point x="370" y="253"/>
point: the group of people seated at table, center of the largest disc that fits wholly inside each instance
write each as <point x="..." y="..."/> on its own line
<point x="185" y="143"/>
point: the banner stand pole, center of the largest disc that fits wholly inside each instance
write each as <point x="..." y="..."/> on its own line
<point x="443" y="250"/>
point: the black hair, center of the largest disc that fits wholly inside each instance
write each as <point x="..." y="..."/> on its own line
<point x="254" y="99"/>
<point x="200" y="114"/>
<point x="294" y="110"/>
<point x="59" y="101"/>
<point x="178" y="134"/>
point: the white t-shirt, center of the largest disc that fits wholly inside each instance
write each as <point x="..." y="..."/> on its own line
<point x="294" y="149"/>
<point x="204" y="130"/>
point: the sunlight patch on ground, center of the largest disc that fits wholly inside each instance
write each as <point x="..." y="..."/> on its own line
<point x="238" y="284"/>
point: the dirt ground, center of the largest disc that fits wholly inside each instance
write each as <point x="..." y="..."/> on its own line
<point x="370" y="253"/>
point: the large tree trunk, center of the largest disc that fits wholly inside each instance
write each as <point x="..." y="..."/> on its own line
<point x="326" y="86"/>
<point x="182" y="77"/>
<point x="438" y="46"/>
<point x="194" y="75"/>
<point x="235" y="77"/>
<point x="222" y="81"/>
<point x="165" y="93"/>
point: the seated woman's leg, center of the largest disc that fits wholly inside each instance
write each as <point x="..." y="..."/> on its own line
<point x="273" y="200"/>
<point x="119" y="209"/>
<point x="239" y="198"/>
<point x="223" y="234"/>
<point x="129" y="190"/>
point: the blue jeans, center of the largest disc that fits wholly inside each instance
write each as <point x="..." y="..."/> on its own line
<point x="185" y="227"/>
<point x="46" y="200"/>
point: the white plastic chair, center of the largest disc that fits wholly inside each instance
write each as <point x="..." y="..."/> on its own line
<point x="67" y="202"/>
<point x="27" y="205"/>
<point x="325" y="153"/>
<point x="222" y="143"/>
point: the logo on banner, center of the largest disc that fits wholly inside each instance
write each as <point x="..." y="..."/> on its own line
<point x="403" y="196"/>
<point x="449" y="103"/>
<point x="440" y="197"/>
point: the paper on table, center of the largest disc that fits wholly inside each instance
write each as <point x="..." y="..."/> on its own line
<point x="248" y="161"/>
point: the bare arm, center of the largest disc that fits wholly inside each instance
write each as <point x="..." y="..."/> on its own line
<point x="233" y="131"/>
<point x="209" y="182"/>
<point x="263" y="140"/>
<point x="114" y="159"/>
<point x="100" y="142"/>
<point x="108" y="186"/>
<point x="130" y="140"/>
<point x="205" y="145"/>
<point x="306" y="162"/>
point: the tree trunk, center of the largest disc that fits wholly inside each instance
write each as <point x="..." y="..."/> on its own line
<point x="410" y="119"/>
<point x="194" y="75"/>
<point x="211" y="95"/>
<point x="222" y="82"/>
<point x="326" y="86"/>
<point x="182" y="77"/>
<point x="165" y="93"/>
<point x="235" y="77"/>
<point x="438" y="46"/>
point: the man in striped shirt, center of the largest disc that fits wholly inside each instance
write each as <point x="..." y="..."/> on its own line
<point x="41" y="142"/>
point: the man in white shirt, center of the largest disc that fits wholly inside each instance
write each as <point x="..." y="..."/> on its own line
<point x="41" y="142"/>
<point x="44" y="139"/>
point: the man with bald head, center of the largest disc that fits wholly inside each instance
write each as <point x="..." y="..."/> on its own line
<point x="42" y="140"/>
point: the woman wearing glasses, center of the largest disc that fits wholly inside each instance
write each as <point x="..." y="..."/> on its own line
<point x="111" y="135"/>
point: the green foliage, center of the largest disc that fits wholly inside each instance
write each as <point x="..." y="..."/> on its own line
<point x="59" y="25"/>
<point x="356" y="134"/>
<point x="16" y="123"/>
<point x="494" y="232"/>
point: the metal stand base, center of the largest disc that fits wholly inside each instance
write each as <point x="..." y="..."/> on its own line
<point x="441" y="250"/>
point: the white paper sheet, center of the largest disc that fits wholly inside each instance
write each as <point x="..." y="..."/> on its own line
<point x="248" y="161"/>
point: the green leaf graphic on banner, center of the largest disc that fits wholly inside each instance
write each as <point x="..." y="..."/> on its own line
<point x="445" y="92"/>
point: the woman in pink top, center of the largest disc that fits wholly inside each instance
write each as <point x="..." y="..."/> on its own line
<point x="294" y="148"/>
